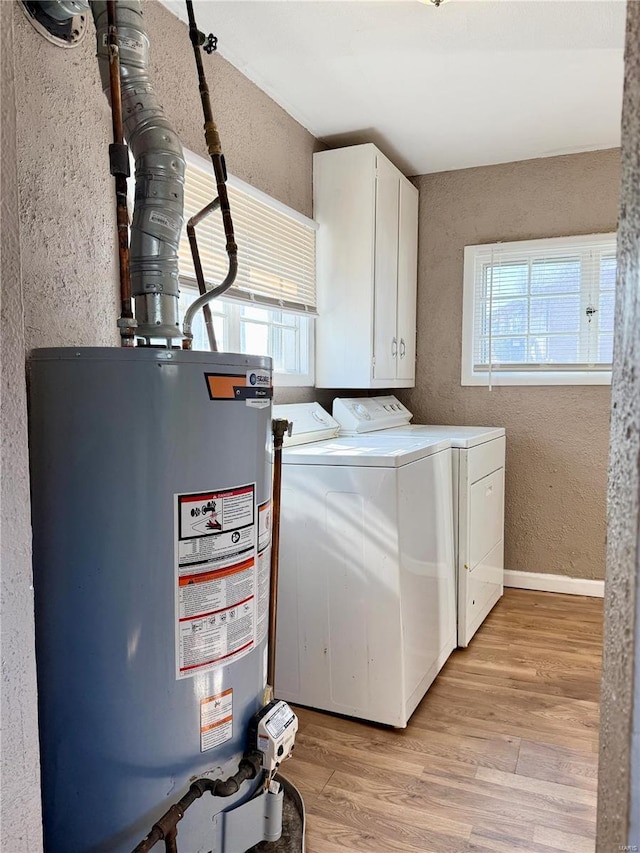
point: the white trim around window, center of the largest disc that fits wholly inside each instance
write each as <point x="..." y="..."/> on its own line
<point x="519" y="318"/>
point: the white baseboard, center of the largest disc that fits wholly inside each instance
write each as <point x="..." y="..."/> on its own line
<point x="554" y="583"/>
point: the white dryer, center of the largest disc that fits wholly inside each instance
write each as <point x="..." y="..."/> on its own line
<point x="366" y="604"/>
<point x="478" y="463"/>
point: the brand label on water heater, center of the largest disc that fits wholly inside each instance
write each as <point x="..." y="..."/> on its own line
<point x="215" y="577"/>
<point x="216" y="720"/>
<point x="254" y="387"/>
<point x="261" y="381"/>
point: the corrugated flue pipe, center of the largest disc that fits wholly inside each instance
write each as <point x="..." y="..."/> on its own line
<point x="159" y="173"/>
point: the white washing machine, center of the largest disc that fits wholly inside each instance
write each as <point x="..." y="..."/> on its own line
<point x="366" y="604"/>
<point x="478" y="457"/>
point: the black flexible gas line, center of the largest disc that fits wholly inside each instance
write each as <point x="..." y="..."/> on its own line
<point x="166" y="828"/>
<point x="211" y="134"/>
<point x="214" y="148"/>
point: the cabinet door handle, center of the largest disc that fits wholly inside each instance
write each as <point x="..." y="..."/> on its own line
<point x="403" y="348"/>
<point x="394" y="348"/>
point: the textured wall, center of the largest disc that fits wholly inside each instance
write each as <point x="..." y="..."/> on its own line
<point x="619" y="763"/>
<point x="20" y="829"/>
<point x="67" y="218"/>
<point x="62" y="289"/>
<point x="556" y="436"/>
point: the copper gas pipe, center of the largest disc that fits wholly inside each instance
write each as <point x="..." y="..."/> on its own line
<point x="280" y="427"/>
<point x="119" y="165"/>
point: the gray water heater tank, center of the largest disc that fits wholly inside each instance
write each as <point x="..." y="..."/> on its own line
<point x="151" y="479"/>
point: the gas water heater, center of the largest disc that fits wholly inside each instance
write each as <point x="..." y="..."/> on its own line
<point x="151" y="474"/>
<point x="151" y="478"/>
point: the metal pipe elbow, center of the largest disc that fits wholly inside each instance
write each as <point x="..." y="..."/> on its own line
<point x="205" y="298"/>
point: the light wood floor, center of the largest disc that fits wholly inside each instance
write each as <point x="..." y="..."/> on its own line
<point x="501" y="755"/>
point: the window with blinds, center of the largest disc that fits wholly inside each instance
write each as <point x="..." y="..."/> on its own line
<point x="276" y="245"/>
<point x="539" y="311"/>
<point x="270" y="309"/>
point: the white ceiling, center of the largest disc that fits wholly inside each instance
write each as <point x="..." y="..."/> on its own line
<point x="469" y="83"/>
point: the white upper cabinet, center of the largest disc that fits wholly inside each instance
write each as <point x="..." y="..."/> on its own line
<point x="367" y="247"/>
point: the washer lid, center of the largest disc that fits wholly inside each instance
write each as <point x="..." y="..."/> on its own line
<point x="310" y="423"/>
<point x="377" y="450"/>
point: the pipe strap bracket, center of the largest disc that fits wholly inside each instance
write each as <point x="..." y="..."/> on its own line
<point x="119" y="159"/>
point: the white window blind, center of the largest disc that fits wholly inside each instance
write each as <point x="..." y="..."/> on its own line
<point x="276" y="248"/>
<point x="539" y="308"/>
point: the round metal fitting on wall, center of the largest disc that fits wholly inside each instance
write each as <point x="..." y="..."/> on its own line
<point x="62" y="22"/>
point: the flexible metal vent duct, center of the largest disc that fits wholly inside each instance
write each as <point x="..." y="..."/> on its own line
<point x="159" y="174"/>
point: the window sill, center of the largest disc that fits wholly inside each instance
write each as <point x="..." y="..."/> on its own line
<point x="538" y="378"/>
<point x="293" y="380"/>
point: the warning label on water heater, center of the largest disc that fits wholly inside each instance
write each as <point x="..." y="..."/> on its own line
<point x="216" y="720"/>
<point x="215" y="544"/>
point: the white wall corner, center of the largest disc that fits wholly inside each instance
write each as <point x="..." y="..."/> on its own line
<point x="554" y="583"/>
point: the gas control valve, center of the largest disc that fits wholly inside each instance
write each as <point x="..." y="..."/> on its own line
<point x="272" y="732"/>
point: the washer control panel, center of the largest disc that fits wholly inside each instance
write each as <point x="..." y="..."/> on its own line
<point x="310" y="423"/>
<point x="366" y="414"/>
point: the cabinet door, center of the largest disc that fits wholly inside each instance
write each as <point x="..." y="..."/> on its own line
<point x="385" y="341"/>
<point x="407" y="280"/>
<point x="344" y="202"/>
